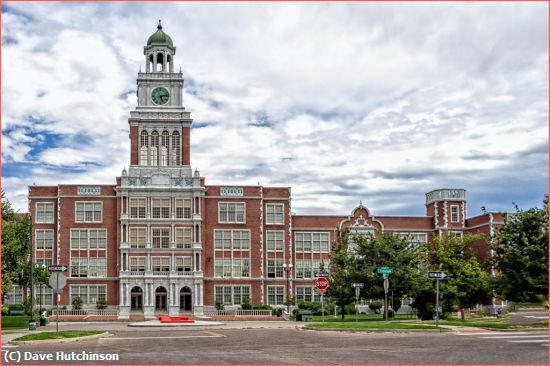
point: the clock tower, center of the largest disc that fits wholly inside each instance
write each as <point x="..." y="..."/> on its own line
<point x="160" y="125"/>
<point x="160" y="198"/>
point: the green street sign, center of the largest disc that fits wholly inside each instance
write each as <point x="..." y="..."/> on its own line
<point x="385" y="270"/>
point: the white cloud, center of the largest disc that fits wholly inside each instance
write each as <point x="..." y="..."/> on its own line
<point x="380" y="102"/>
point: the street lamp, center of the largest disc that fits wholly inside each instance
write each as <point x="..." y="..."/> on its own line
<point x="32" y="322"/>
<point x="41" y="284"/>
<point x="288" y="270"/>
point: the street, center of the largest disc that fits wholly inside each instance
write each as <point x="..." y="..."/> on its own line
<point x="290" y="346"/>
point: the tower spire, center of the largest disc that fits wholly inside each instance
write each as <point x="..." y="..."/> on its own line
<point x="159" y="27"/>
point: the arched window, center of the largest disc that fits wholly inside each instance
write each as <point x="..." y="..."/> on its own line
<point x="160" y="63"/>
<point x="154" y="148"/>
<point x="164" y="148"/>
<point x="144" y="144"/>
<point x="176" y="148"/>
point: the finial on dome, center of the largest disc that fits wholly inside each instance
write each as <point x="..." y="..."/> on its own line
<point x="159" y="26"/>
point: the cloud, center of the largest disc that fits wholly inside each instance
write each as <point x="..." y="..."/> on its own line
<point x="342" y="102"/>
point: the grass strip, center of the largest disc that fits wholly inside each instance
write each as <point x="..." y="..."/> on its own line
<point x="53" y="335"/>
<point x="15" y="321"/>
<point x="370" y="325"/>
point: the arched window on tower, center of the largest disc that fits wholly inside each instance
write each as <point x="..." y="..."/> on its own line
<point x="160" y="63"/>
<point x="164" y="148"/>
<point x="154" y="148"/>
<point x="143" y="147"/>
<point x="176" y="147"/>
<point x="151" y="65"/>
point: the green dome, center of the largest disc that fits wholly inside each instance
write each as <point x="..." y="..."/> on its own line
<point x="160" y="37"/>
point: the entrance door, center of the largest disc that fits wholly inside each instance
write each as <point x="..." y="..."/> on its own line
<point x="185" y="299"/>
<point x="136" y="297"/>
<point x="160" y="298"/>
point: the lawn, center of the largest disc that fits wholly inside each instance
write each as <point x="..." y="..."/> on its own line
<point x="53" y="335"/>
<point x="15" y="321"/>
<point x="370" y="325"/>
<point x="361" y="318"/>
<point x="492" y="323"/>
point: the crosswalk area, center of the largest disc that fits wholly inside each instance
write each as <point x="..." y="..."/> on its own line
<point x="510" y="337"/>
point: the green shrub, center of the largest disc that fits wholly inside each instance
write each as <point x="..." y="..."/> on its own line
<point x="262" y="307"/>
<point x="278" y="311"/>
<point x="246" y="305"/>
<point x="5" y="310"/>
<point x="77" y="303"/>
<point x="219" y="305"/>
<point x="101" y="304"/>
<point x="375" y="306"/>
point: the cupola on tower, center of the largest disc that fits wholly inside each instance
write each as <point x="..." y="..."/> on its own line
<point x="160" y="126"/>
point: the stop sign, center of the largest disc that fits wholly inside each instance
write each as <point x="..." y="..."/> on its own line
<point x="322" y="284"/>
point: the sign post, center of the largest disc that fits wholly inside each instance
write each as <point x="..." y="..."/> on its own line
<point x="57" y="282"/>
<point x="386" y="271"/>
<point x="322" y="284"/>
<point x="437" y="276"/>
<point x="358" y="287"/>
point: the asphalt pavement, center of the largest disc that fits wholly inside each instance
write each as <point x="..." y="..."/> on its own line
<point x="281" y="342"/>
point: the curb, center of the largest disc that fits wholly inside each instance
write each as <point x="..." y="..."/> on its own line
<point x="374" y="330"/>
<point x="63" y="340"/>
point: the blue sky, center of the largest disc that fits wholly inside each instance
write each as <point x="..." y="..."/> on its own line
<point x="343" y="102"/>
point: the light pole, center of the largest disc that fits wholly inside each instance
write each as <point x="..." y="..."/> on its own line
<point x="32" y="322"/>
<point x="288" y="270"/>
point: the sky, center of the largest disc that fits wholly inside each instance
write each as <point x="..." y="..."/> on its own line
<point x="343" y="102"/>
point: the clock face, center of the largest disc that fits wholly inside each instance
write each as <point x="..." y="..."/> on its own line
<point x="160" y="96"/>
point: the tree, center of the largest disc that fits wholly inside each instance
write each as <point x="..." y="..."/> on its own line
<point x="469" y="281"/>
<point x="341" y="275"/>
<point x="406" y="258"/>
<point x="16" y="250"/>
<point x="522" y="255"/>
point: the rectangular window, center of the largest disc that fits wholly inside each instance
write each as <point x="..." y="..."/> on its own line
<point x="44" y="239"/>
<point x="160" y="208"/>
<point x="231" y="213"/>
<point x="183" y="237"/>
<point x="137" y="264"/>
<point x="88" y="239"/>
<point x="15" y="296"/>
<point x="89" y="211"/>
<point x="231" y="295"/>
<point x="44" y="262"/>
<point x="90" y="294"/>
<point x="414" y="237"/>
<point x="160" y="238"/>
<point x="274" y="213"/>
<point x="232" y="239"/>
<point x="183" y="208"/>
<point x="232" y="268"/>
<point x="137" y="208"/>
<point x="307" y="294"/>
<point x="160" y="264"/>
<point x="44" y="213"/>
<point x="184" y="264"/>
<point x="275" y="240"/>
<point x="88" y="267"/>
<point x="454" y="214"/>
<point x="275" y="268"/>
<point x="275" y="295"/>
<point x="311" y="242"/>
<point x="137" y="237"/>
<point x="47" y="295"/>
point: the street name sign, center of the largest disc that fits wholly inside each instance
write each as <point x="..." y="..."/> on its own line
<point x="385" y="270"/>
<point x="358" y="285"/>
<point x="58" y="268"/>
<point x="321" y="274"/>
<point x="438" y="275"/>
<point x="321" y="284"/>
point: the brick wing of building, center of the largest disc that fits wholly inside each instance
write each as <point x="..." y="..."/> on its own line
<point x="162" y="241"/>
